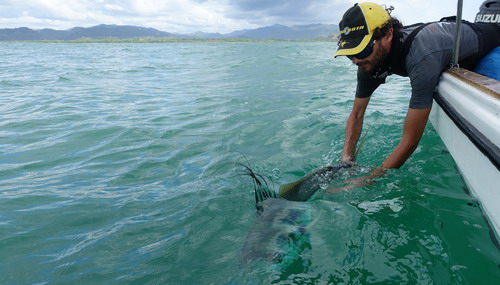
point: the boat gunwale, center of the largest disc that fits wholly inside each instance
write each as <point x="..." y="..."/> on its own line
<point x="488" y="85"/>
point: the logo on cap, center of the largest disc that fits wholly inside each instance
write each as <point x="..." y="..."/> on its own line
<point x="348" y="30"/>
<point x="343" y="43"/>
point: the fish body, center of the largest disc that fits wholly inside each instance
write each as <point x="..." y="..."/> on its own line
<point x="304" y="188"/>
<point x="280" y="233"/>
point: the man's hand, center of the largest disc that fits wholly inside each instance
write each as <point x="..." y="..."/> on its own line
<point x="359" y="181"/>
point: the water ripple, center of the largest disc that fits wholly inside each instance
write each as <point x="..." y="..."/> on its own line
<point x="118" y="165"/>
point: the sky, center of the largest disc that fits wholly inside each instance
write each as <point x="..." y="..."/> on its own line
<point x="223" y="16"/>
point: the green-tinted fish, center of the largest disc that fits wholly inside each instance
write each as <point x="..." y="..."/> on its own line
<point x="304" y="188"/>
<point x="280" y="234"/>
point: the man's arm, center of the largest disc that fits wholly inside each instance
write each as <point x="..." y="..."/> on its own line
<point x="413" y="129"/>
<point x="353" y="128"/>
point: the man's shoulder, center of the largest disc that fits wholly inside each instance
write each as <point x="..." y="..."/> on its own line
<point x="437" y="39"/>
<point x="437" y="34"/>
<point x="431" y="27"/>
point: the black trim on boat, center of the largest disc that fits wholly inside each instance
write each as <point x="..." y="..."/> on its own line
<point x="487" y="147"/>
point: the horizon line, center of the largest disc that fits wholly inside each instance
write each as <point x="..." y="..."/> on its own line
<point x="127" y="25"/>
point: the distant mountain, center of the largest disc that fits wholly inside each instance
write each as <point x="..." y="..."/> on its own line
<point x="289" y="33"/>
<point x="124" y="32"/>
<point x="96" y="32"/>
<point x="114" y="31"/>
<point x="279" y="32"/>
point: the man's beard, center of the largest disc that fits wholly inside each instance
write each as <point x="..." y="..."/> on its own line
<point x="369" y="66"/>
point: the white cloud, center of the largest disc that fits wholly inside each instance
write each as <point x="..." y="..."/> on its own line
<point x="69" y="10"/>
<point x="185" y="16"/>
<point x="113" y="7"/>
<point x="415" y="11"/>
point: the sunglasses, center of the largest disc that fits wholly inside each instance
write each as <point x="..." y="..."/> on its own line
<point x="364" y="53"/>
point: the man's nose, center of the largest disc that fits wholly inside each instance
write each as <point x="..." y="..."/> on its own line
<point x="355" y="60"/>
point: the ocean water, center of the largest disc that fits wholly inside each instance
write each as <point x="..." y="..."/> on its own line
<point x="118" y="165"/>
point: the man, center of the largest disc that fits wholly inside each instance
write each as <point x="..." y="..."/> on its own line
<point x="380" y="46"/>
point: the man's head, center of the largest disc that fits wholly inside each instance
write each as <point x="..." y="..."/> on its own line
<point x="366" y="31"/>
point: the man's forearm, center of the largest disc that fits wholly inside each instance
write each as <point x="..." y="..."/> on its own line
<point x="400" y="154"/>
<point x="416" y="120"/>
<point x="353" y="129"/>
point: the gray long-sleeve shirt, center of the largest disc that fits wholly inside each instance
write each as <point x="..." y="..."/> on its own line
<point x="429" y="55"/>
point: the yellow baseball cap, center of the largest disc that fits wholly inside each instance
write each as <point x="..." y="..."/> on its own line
<point x="357" y="26"/>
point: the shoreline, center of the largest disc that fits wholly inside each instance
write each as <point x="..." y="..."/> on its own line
<point x="172" y="40"/>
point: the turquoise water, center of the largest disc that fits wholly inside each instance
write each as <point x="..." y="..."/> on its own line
<point x="118" y="166"/>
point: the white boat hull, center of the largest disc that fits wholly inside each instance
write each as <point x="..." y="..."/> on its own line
<point x="466" y="115"/>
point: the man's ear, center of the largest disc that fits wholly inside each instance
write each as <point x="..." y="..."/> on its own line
<point x="387" y="39"/>
<point x="389" y="35"/>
